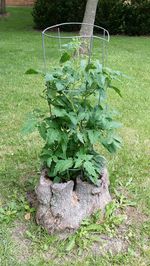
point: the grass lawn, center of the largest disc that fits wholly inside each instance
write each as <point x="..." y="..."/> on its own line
<point x="22" y="242"/>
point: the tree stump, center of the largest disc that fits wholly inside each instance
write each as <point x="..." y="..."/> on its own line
<point x="63" y="206"/>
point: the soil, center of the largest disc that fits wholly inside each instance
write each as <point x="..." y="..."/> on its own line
<point x="21" y="243"/>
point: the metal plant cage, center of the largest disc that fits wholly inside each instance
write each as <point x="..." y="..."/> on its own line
<point x="54" y="37"/>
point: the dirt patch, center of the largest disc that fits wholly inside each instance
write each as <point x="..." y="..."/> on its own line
<point x="134" y="216"/>
<point x="22" y="245"/>
<point x="113" y="245"/>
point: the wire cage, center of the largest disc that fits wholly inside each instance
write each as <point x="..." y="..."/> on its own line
<point x="54" y="37"/>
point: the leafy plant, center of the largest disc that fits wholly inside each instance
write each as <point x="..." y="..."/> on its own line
<point x="79" y="118"/>
<point x="14" y="208"/>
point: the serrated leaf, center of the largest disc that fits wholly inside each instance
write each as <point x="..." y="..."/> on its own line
<point x="93" y="179"/>
<point x="63" y="165"/>
<point x="90" y="168"/>
<point x="65" y="57"/>
<point x="78" y="162"/>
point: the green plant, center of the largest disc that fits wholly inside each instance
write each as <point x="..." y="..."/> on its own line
<point x="14" y="208"/>
<point x="78" y="119"/>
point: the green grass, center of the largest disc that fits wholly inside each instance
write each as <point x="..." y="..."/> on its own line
<point x="21" y="49"/>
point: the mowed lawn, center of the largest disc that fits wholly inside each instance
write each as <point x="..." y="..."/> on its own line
<point x="21" y="241"/>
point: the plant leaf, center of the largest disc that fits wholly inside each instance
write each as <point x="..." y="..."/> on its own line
<point x="65" y="57"/>
<point x="53" y="135"/>
<point x="90" y="168"/>
<point x="59" y="112"/>
<point x="80" y="137"/>
<point x="93" y="136"/>
<point x="57" y="179"/>
<point x="30" y="124"/>
<point x="90" y="66"/>
<point x="71" y="244"/>
<point x="116" y="90"/>
<point x="42" y="130"/>
<point x="63" y="165"/>
<point x="32" y="71"/>
<point x="49" y="161"/>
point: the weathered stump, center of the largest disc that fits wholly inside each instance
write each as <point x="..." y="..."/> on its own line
<point x="63" y="206"/>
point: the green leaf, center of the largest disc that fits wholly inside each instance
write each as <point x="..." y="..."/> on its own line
<point x="71" y="244"/>
<point x="72" y="116"/>
<point x="49" y="77"/>
<point x="30" y="125"/>
<point x="80" y="137"/>
<point x="93" y="136"/>
<point x="113" y="125"/>
<point x="42" y="130"/>
<point x="93" y="179"/>
<point x="116" y="90"/>
<point x="53" y="135"/>
<point x="49" y="161"/>
<point x="110" y="209"/>
<point x="59" y="112"/>
<point x="63" y="165"/>
<point x="112" y="143"/>
<point x="57" y="179"/>
<point x="90" y="66"/>
<point x="59" y="86"/>
<point x="82" y="115"/>
<point x="95" y="228"/>
<point x="32" y="71"/>
<point x="65" y="57"/>
<point x="78" y="162"/>
<point x="90" y="168"/>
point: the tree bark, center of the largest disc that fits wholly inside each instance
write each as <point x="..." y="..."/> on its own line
<point x="2" y="7"/>
<point x="63" y="206"/>
<point x="89" y="17"/>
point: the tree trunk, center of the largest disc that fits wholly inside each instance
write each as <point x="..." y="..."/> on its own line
<point x="2" y="7"/>
<point x="89" y="17"/>
<point x="63" y="206"/>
